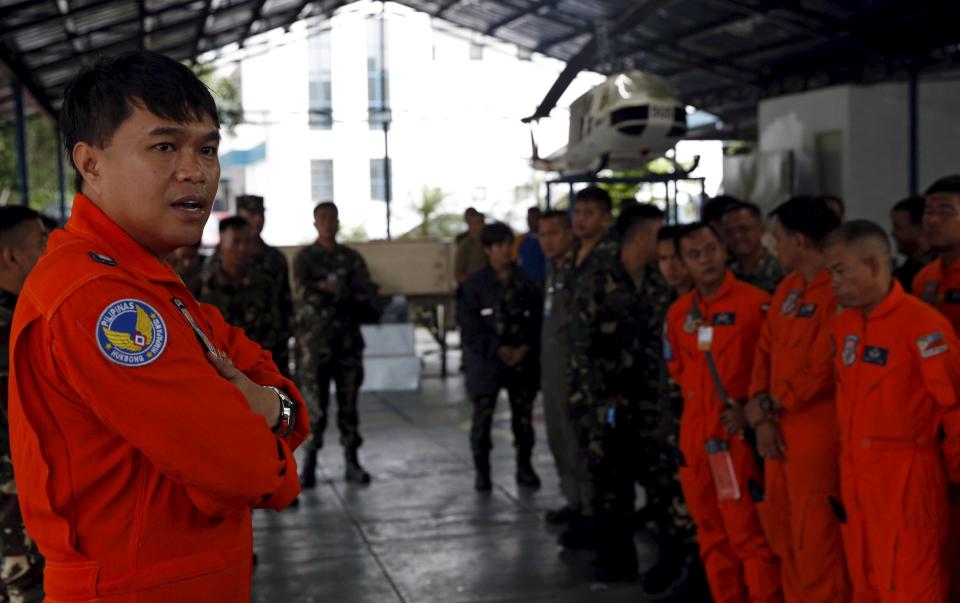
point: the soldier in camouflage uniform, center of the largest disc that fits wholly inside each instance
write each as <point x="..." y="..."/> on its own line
<point x="335" y="296"/>
<point x="23" y="235"/>
<point x="606" y="320"/>
<point x="743" y="230"/>
<point x="188" y="264"/>
<point x="245" y="295"/>
<point x="273" y="264"/>
<point x="500" y="317"/>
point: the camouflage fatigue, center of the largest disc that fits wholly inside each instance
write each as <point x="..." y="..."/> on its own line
<point x="272" y="261"/>
<point x="606" y="320"/>
<point x="575" y="483"/>
<point x="21" y="572"/>
<point x="658" y="423"/>
<point x="495" y="313"/>
<point x="767" y="275"/>
<point x="329" y="341"/>
<point x="192" y="277"/>
<point x="253" y="303"/>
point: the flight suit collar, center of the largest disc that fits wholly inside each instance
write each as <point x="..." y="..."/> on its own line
<point x="725" y="289"/>
<point x="90" y="223"/>
<point x="890" y="303"/>
<point x="821" y="280"/>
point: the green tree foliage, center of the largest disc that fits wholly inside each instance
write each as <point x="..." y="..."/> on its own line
<point x="226" y="93"/>
<point x="42" y="148"/>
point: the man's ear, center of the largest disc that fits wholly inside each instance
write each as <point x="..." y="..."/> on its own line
<point x="7" y="257"/>
<point x="86" y="158"/>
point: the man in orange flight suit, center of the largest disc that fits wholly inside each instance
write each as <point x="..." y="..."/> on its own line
<point x="938" y="284"/>
<point x="724" y="316"/>
<point x="898" y="369"/>
<point x="792" y="408"/>
<point x="144" y="428"/>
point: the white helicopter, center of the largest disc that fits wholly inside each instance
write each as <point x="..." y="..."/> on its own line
<point x="622" y="124"/>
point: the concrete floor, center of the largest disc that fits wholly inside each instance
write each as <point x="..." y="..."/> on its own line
<point x="419" y="532"/>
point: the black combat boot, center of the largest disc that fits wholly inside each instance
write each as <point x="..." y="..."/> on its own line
<point x="616" y="556"/>
<point x="481" y="463"/>
<point x="355" y="473"/>
<point x="308" y="473"/>
<point x="526" y="476"/>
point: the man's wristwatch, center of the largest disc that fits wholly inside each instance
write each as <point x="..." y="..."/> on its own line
<point x="767" y="404"/>
<point x="288" y="413"/>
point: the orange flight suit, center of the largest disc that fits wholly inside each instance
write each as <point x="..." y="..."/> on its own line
<point x="794" y="364"/>
<point x="940" y="287"/>
<point x="898" y="371"/>
<point x="137" y="464"/>
<point x="739" y="563"/>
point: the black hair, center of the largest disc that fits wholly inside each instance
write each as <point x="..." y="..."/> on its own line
<point x="12" y="216"/>
<point x="595" y="194"/>
<point x="913" y="206"/>
<point x="535" y="208"/>
<point x="947" y="184"/>
<point x="689" y="229"/>
<point x="669" y="233"/>
<point x="714" y="208"/>
<point x="326" y="205"/>
<point x="809" y="216"/>
<point x="753" y="208"/>
<point x="469" y="212"/>
<point x="855" y="231"/>
<point x="233" y="223"/>
<point x="557" y="214"/>
<point x="633" y="217"/>
<point x="100" y="98"/>
<point x="495" y="233"/>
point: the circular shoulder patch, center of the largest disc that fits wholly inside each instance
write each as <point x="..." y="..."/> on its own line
<point x="131" y="333"/>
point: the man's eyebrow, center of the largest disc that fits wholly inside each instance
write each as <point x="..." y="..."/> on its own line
<point x="175" y="131"/>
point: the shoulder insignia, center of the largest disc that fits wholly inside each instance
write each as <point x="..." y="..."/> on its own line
<point x="932" y="345"/>
<point x="102" y="259"/>
<point x="131" y="333"/>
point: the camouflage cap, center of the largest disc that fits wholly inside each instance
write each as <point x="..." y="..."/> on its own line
<point x="251" y="203"/>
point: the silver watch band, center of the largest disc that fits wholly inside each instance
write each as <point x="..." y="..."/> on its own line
<point x="287" y="419"/>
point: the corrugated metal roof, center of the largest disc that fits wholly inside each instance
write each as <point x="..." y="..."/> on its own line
<point x="723" y="55"/>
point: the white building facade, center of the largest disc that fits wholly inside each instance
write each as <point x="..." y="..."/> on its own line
<point x="312" y="99"/>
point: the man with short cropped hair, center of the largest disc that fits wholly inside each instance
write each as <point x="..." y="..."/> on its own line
<point x="907" y="220"/>
<point x="556" y="237"/>
<point x="603" y="327"/>
<point x="23" y="238"/>
<point x="743" y="231"/>
<point x="144" y="427"/>
<point x="709" y="346"/>
<point x="335" y="297"/>
<point x="245" y="295"/>
<point x="897" y="363"/>
<point x="793" y="410"/>
<point x="500" y="318"/>
<point x="273" y="264"/>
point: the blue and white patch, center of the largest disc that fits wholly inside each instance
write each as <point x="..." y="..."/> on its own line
<point x="849" y="353"/>
<point x="932" y="345"/>
<point x="667" y="348"/>
<point x="131" y="333"/>
<point x="791" y="302"/>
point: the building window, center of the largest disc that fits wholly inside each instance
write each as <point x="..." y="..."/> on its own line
<point x="378" y="74"/>
<point x="378" y="180"/>
<point x="320" y="82"/>
<point x="476" y="51"/>
<point x="321" y="180"/>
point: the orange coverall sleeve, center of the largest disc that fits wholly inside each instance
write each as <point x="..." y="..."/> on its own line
<point x="257" y="364"/>
<point x="193" y="425"/>
<point x="671" y="353"/>
<point x="760" y="376"/>
<point x="940" y="371"/>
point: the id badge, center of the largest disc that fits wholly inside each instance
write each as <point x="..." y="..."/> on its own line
<point x="704" y="338"/>
<point x="722" y="470"/>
